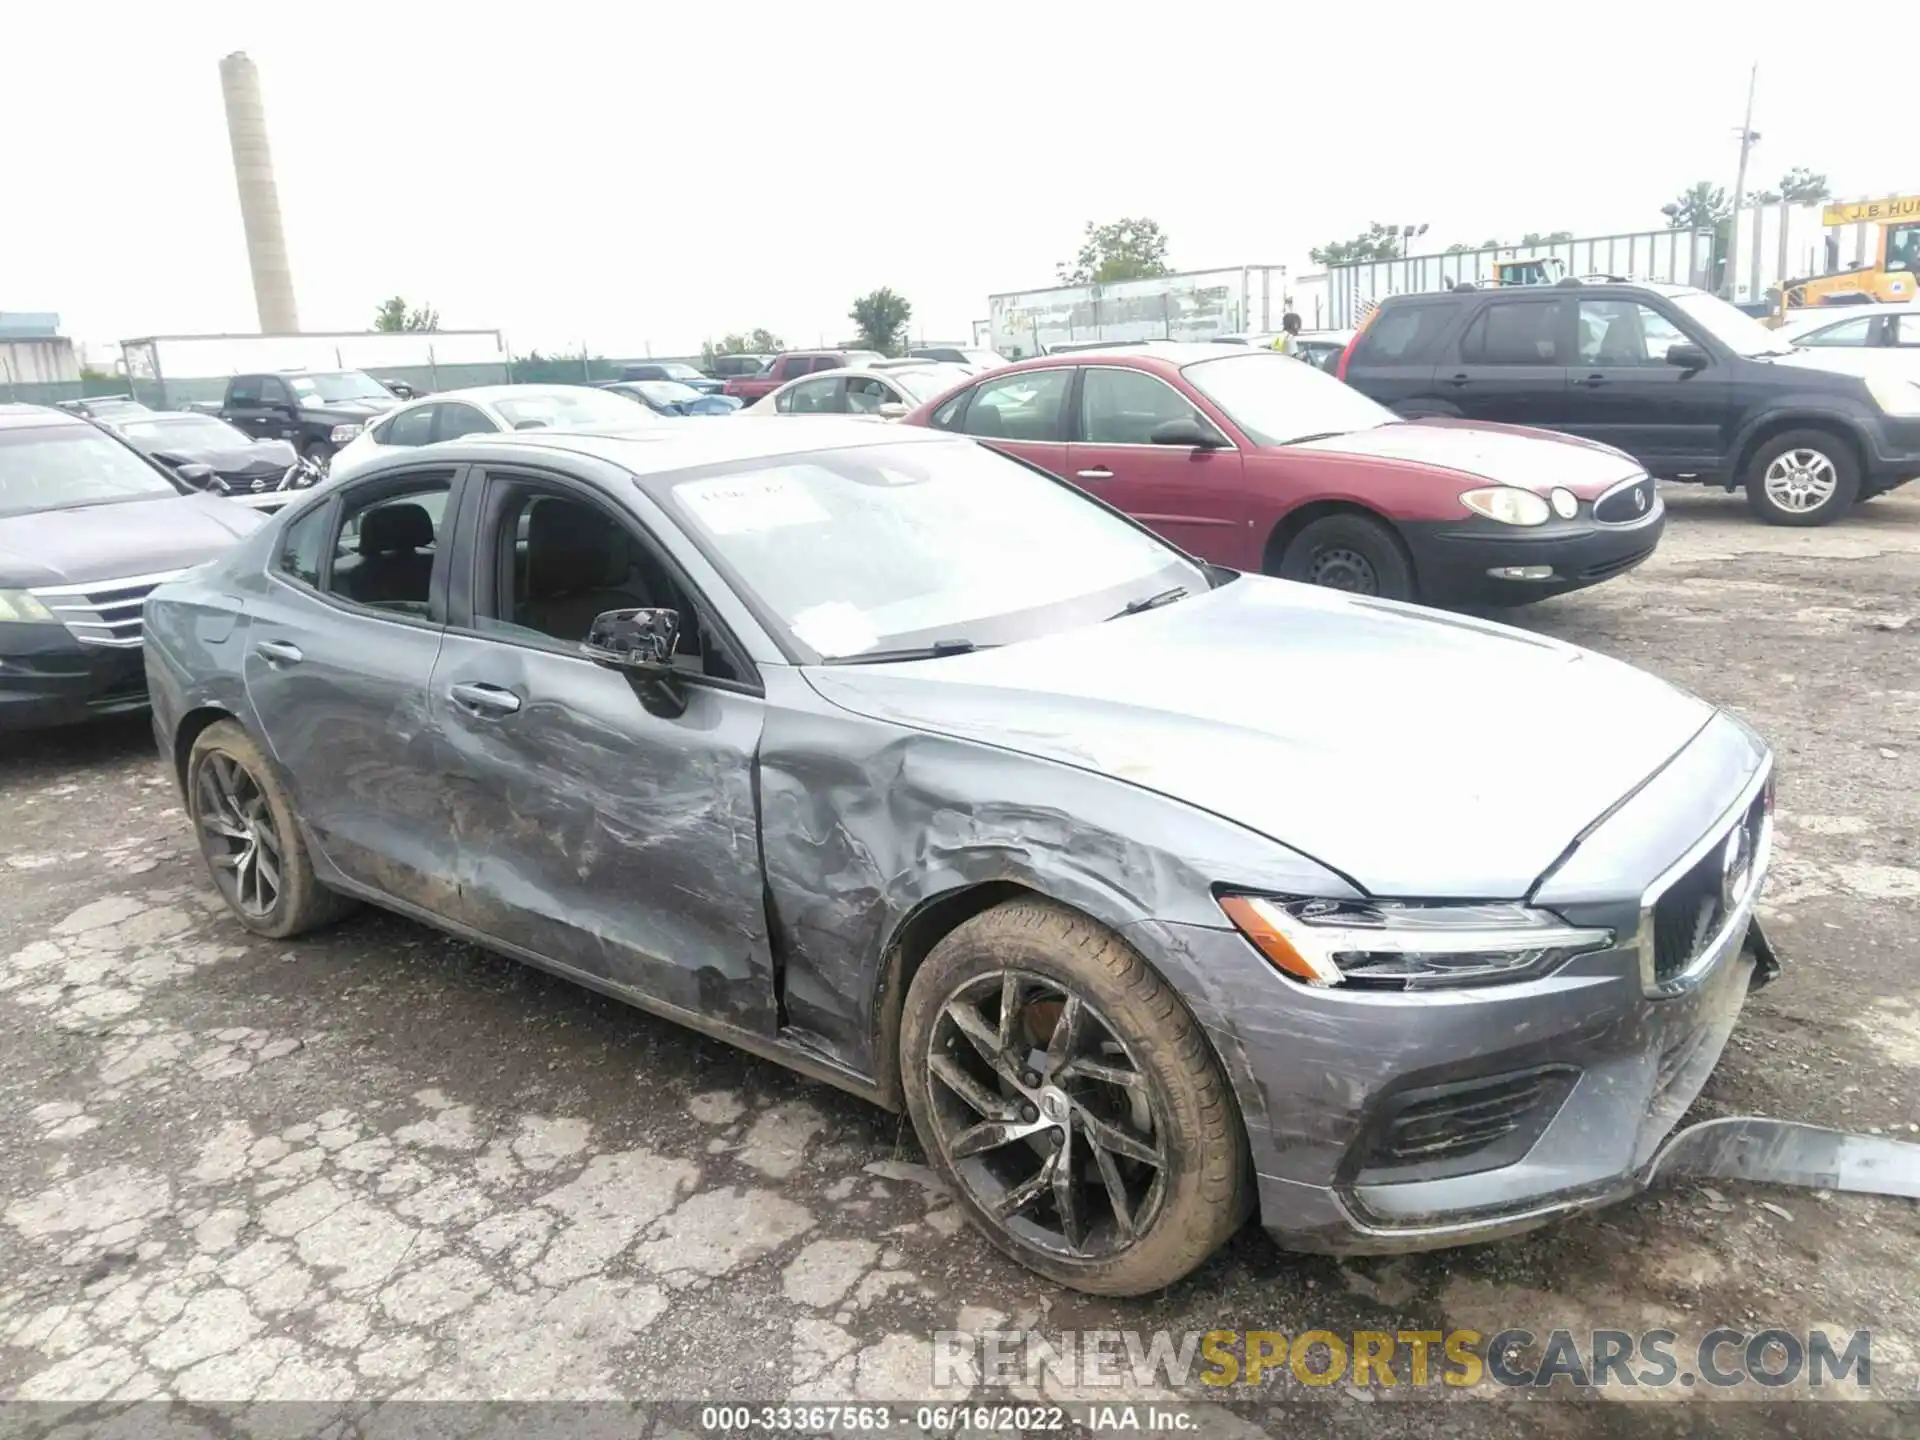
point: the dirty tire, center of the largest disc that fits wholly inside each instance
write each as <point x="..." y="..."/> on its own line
<point x="300" y="903"/>
<point x="1354" y="553"/>
<point x="1830" y="450"/>
<point x="1207" y="1187"/>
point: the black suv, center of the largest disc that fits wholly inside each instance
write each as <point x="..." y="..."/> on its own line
<point x="1677" y="378"/>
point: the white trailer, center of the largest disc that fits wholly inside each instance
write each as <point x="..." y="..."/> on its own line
<point x="170" y="371"/>
<point x="1190" y="305"/>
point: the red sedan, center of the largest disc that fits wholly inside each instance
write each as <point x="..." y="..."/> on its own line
<point x="1255" y="461"/>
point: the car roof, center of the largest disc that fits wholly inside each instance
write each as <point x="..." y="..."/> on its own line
<point x="1146" y="355"/>
<point x="666" y="449"/>
<point x="1827" y="314"/>
<point x="483" y="394"/>
<point x="18" y="415"/>
<point x="1580" y="287"/>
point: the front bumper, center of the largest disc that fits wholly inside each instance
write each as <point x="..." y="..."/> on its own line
<point x="1483" y="562"/>
<point x="1381" y="1122"/>
<point x="47" y="678"/>
<point x="1893" y="451"/>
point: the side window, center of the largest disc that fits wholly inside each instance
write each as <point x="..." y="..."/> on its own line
<point x="303" y="544"/>
<point x="384" y="556"/>
<point x="1857" y="331"/>
<point x="1906" y="329"/>
<point x="1624" y="332"/>
<point x="825" y="362"/>
<point x="1124" y="407"/>
<point x="245" y="390"/>
<point x="273" y="391"/>
<point x="945" y="417"/>
<point x="1515" y="332"/>
<point x="410" y="427"/>
<point x="1401" y="334"/>
<point x="458" y="420"/>
<point x="1027" y="405"/>
<point x="812" y="397"/>
<point x="561" y="561"/>
<point x="867" y="393"/>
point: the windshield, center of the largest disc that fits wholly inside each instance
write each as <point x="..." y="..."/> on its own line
<point x="339" y="385"/>
<point x="899" y="545"/>
<point x="986" y="359"/>
<point x="566" y="408"/>
<point x="927" y="382"/>
<point x="1739" y="332"/>
<point x="681" y="372"/>
<point x="667" y="392"/>
<point x="66" y="466"/>
<point x="193" y="431"/>
<point x="1277" y="400"/>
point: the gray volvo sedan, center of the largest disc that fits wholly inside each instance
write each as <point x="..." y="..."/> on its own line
<point x="1154" y="893"/>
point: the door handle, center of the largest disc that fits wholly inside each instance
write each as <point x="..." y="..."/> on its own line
<point x="487" y="701"/>
<point x="279" y="652"/>
<point x="1592" y="381"/>
<point x="1098" y="473"/>
<point x="1455" y="380"/>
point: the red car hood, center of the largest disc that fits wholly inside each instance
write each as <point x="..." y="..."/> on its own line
<point x="1499" y="454"/>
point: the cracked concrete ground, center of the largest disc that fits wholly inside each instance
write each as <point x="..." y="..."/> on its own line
<point x="380" y="1163"/>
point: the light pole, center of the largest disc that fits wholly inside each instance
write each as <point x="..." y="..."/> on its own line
<point x="1748" y="137"/>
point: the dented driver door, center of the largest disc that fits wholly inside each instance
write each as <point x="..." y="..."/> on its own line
<point x="618" y="842"/>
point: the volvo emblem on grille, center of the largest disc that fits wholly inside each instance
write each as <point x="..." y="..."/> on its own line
<point x="1736" y="868"/>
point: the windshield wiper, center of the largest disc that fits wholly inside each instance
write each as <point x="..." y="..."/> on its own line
<point x="939" y="649"/>
<point x="1149" y="602"/>
<point x="1316" y="435"/>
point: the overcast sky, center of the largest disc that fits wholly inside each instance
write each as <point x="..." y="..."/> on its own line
<point x="644" y="174"/>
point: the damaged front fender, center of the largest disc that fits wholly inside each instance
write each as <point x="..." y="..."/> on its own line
<point x="1787" y="1152"/>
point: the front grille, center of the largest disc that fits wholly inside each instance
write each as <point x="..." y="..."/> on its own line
<point x="1627" y="503"/>
<point x="1471" y="1125"/>
<point x="1689" y="914"/>
<point x="102" y="612"/>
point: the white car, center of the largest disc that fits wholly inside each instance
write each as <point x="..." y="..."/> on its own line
<point x="487" y="409"/>
<point x="1891" y="328"/>
<point x="888" y="392"/>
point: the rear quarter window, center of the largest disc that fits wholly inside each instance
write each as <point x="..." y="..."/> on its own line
<point x="1401" y="334"/>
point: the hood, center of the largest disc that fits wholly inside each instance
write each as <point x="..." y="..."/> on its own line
<point x="1420" y="754"/>
<point x="1499" y="454"/>
<point x="1863" y="361"/>
<point x="263" y="457"/>
<point x="112" y="542"/>
<point x="349" y="409"/>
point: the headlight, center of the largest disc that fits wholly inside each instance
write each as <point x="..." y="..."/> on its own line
<point x="1508" y="505"/>
<point x="1388" y="945"/>
<point x="1566" y="504"/>
<point x="1895" y="396"/>
<point x="343" y="433"/>
<point x="17" y="607"/>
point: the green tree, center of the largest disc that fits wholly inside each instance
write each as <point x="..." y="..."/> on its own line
<point x="393" y="315"/>
<point x="1458" y="249"/>
<point x="1127" y="249"/>
<point x="1700" y="207"/>
<point x="882" y="316"/>
<point x="1533" y="238"/>
<point x="1801" y="186"/>
<point x="754" y="342"/>
<point x="1376" y="242"/>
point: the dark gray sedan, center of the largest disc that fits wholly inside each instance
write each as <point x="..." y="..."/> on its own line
<point x="1154" y="893"/>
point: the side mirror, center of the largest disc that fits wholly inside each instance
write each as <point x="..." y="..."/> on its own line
<point x="1687" y="356"/>
<point x="891" y="410"/>
<point x="200" y="477"/>
<point x="642" y="643"/>
<point x="1188" y="432"/>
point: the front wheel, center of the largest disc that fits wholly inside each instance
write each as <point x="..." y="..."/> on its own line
<point x="1804" y="477"/>
<point x="1355" y="553"/>
<point x="1071" y="1102"/>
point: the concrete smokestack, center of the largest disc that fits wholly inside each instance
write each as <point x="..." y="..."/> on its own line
<point x="259" y="196"/>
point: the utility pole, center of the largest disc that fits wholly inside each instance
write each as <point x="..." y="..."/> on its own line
<point x="1747" y="139"/>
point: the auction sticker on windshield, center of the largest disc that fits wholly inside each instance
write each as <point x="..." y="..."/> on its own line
<point x="743" y="504"/>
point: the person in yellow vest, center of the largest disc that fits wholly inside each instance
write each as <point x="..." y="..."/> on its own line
<point x="1287" y="342"/>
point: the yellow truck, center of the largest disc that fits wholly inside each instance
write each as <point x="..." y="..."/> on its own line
<point x="1891" y="275"/>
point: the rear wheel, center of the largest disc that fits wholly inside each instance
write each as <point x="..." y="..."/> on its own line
<point x="249" y="840"/>
<point x="1804" y="477"/>
<point x="1065" y="1094"/>
<point x="1354" y="553"/>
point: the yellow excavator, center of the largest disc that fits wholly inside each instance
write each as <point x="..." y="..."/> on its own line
<point x="1890" y="277"/>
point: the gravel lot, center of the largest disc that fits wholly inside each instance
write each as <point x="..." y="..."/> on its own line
<point x="382" y="1163"/>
